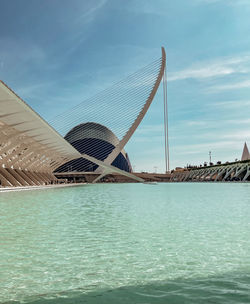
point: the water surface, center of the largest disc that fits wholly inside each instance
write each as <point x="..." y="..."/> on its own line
<point x="126" y="243"/>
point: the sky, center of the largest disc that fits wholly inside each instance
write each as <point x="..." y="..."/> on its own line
<point x="56" y="53"/>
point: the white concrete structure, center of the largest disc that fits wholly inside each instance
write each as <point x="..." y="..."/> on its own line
<point x="30" y="149"/>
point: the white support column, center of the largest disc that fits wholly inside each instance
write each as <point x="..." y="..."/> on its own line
<point x="4" y="181"/>
<point x="10" y="177"/>
<point x="25" y="177"/>
<point x="17" y="177"/>
<point x="240" y="170"/>
<point x="229" y="171"/>
<point x="223" y="170"/>
<point x="247" y="173"/>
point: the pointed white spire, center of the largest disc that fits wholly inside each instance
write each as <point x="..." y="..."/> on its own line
<point x="245" y="153"/>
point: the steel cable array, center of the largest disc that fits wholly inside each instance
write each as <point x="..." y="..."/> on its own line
<point x="115" y="108"/>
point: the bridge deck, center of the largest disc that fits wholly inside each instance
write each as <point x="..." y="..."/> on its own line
<point x="236" y="171"/>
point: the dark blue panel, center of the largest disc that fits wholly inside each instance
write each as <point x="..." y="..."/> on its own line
<point x="97" y="148"/>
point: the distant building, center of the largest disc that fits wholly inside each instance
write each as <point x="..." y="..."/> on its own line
<point x="245" y="153"/>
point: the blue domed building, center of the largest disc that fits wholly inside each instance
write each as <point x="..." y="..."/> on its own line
<point x="97" y="141"/>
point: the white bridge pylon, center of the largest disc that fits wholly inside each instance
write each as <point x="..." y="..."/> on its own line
<point x="119" y="108"/>
<point x="139" y="118"/>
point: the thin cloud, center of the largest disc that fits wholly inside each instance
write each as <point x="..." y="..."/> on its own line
<point x="216" y="123"/>
<point x="149" y="129"/>
<point x="227" y="2"/>
<point x="196" y="123"/>
<point x="239" y="121"/>
<point x="231" y="86"/>
<point x="216" y="68"/>
<point x="15" y="52"/>
<point x="90" y="14"/>
<point x="240" y="135"/>
<point x="216" y="145"/>
<point x="230" y="104"/>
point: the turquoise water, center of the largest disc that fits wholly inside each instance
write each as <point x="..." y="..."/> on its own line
<point x="126" y="243"/>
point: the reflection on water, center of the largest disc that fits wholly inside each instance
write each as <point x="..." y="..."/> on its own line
<point x="230" y="288"/>
<point x="126" y="243"/>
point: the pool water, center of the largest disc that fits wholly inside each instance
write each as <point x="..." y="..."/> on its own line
<point x="126" y="243"/>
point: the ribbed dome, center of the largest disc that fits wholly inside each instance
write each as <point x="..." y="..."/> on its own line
<point x="97" y="141"/>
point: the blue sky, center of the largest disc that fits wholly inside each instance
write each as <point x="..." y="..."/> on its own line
<point x="56" y="53"/>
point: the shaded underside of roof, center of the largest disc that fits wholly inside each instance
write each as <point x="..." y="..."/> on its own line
<point x="23" y="130"/>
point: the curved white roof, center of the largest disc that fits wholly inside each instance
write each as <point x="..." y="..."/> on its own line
<point x="28" y="142"/>
<point x="15" y="113"/>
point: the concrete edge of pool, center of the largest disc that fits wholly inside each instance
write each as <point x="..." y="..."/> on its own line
<point x="25" y="188"/>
